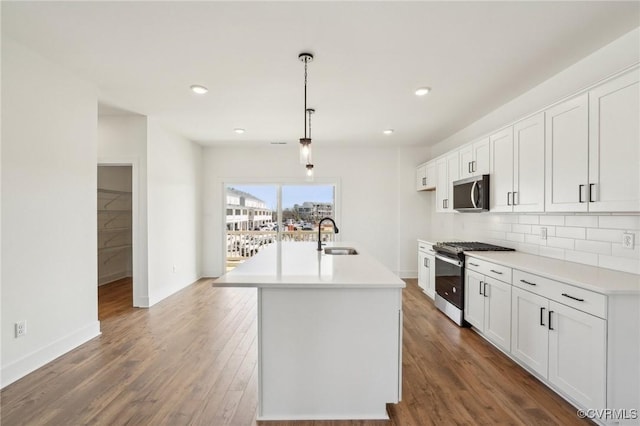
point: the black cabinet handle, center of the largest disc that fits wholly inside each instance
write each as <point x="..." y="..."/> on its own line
<point x="469" y="167"/>
<point x="527" y="282"/>
<point x="571" y="297"/>
<point x="592" y="198"/>
<point x="508" y="198"/>
<point x="425" y="262"/>
<point x="580" y="193"/>
<point x="550" y="328"/>
<point x="443" y="204"/>
<point x="428" y="263"/>
<point x="473" y="264"/>
<point x="480" y="287"/>
<point x="473" y="168"/>
<point x="496" y="272"/>
<point x="542" y="316"/>
<point x="424" y="181"/>
<point x="485" y="289"/>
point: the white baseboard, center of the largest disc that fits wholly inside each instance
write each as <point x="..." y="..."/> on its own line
<point x="141" y="301"/>
<point x="408" y="274"/>
<point x="31" y="362"/>
<point x="166" y="292"/>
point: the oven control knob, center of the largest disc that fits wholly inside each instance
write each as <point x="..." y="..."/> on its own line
<point x="454" y="289"/>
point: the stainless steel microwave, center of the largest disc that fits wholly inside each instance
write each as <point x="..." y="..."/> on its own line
<point x="471" y="194"/>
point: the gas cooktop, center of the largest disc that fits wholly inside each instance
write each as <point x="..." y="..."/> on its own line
<point x="457" y="247"/>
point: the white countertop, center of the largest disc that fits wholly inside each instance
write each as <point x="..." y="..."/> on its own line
<point x="299" y="264"/>
<point x="601" y="280"/>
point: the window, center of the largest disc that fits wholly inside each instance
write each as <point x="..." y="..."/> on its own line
<point x="278" y="212"/>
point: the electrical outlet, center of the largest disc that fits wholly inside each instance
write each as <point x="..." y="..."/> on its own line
<point x="627" y="240"/>
<point x="21" y="328"/>
<point x="543" y="233"/>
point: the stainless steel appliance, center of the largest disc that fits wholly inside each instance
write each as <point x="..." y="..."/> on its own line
<point x="450" y="275"/>
<point x="471" y="194"/>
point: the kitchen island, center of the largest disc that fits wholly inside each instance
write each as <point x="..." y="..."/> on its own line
<point x="329" y="332"/>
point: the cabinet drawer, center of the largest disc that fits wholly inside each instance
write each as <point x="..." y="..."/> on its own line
<point x="576" y="297"/>
<point x="427" y="248"/>
<point x="489" y="269"/>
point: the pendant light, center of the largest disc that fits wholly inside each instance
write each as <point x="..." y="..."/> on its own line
<point x="309" y="165"/>
<point x="305" y="143"/>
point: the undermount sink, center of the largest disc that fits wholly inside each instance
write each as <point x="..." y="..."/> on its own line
<point x="340" y="250"/>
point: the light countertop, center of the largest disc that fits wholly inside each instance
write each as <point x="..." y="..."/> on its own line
<point x="601" y="280"/>
<point x="299" y="264"/>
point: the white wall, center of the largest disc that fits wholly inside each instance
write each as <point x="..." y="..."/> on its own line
<point x="593" y="239"/>
<point x="48" y="210"/>
<point x="412" y="210"/>
<point x="167" y="217"/>
<point x="122" y="139"/>
<point x="371" y="183"/>
<point x="175" y="211"/>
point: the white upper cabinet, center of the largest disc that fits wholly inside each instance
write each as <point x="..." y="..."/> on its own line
<point x="614" y="145"/>
<point x="446" y="173"/>
<point x="580" y="155"/>
<point x="528" y="164"/>
<point x="501" y="168"/>
<point x="431" y="175"/>
<point x="442" y="187"/>
<point x="421" y="177"/>
<point x="454" y="174"/>
<point x="593" y="149"/>
<point x="474" y="159"/>
<point x="517" y="167"/>
<point x="426" y="176"/>
<point x="466" y="161"/>
<point x="567" y="155"/>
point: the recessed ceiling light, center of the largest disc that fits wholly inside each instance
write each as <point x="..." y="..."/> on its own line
<point x="388" y="131"/>
<point x="421" y="91"/>
<point x="200" y="90"/>
<point x="239" y="131"/>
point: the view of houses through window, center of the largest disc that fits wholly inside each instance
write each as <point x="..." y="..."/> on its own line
<point x="259" y="215"/>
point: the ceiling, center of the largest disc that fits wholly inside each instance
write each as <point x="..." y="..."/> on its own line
<point x="369" y="59"/>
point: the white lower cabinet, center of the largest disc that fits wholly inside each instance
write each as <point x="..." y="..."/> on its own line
<point x="426" y="269"/>
<point x="565" y="346"/>
<point x="488" y="307"/>
<point x="529" y="333"/>
<point x="577" y="354"/>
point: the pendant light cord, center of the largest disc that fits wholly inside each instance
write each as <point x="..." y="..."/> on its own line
<point x="305" y="99"/>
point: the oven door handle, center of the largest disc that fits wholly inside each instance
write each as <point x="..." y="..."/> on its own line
<point x="449" y="260"/>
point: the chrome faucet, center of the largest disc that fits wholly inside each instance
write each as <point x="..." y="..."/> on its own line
<point x="335" y="230"/>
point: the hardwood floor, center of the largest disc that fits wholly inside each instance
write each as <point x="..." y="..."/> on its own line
<point x="115" y="298"/>
<point x="191" y="360"/>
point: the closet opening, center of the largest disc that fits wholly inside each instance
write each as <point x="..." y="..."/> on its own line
<point x="115" y="239"/>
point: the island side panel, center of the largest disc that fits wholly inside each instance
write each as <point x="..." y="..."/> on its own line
<point x="329" y="353"/>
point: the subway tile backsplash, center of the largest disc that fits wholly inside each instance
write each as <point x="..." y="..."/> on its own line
<point x="592" y="239"/>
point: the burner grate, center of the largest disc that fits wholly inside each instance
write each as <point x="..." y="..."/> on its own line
<point x="460" y="246"/>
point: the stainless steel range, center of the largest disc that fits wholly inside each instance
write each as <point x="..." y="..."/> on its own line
<point x="450" y="275"/>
